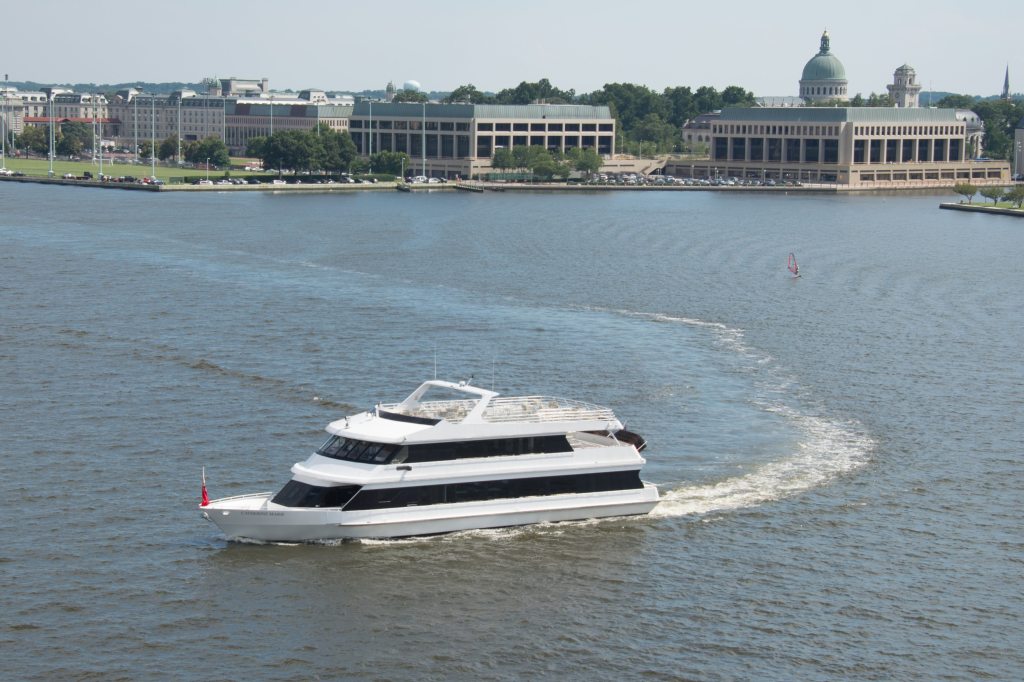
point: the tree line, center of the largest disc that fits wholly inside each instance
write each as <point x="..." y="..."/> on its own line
<point x="1000" y="117"/>
<point x="1013" y="195"/>
<point x="72" y="138"/>
<point x="644" y="116"/>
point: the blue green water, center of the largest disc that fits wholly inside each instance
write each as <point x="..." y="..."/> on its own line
<point x="839" y="455"/>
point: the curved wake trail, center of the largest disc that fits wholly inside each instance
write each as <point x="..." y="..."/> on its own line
<point x="826" y="450"/>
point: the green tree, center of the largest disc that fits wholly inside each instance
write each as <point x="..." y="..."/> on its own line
<point x="35" y="138"/>
<point x="74" y="137"/>
<point x="168" y="148"/>
<point x="541" y="91"/>
<point x="735" y="96"/>
<point x="1015" y="195"/>
<point x="547" y="166"/>
<point x="1000" y="118"/>
<point x="681" y="105"/>
<point x="656" y="131"/>
<point x="993" y="193"/>
<point x="359" y="165"/>
<point x="876" y="100"/>
<point x="211" y="148"/>
<point x="503" y="159"/>
<point x="707" y="99"/>
<point x="585" y="161"/>
<point x="68" y="146"/>
<point x="966" y="189"/>
<point x="956" y="102"/>
<point x="631" y="103"/>
<point x="338" y="150"/>
<point x="389" y="162"/>
<point x="410" y="96"/>
<point x="254" y="147"/>
<point x="145" y="149"/>
<point x="467" y="93"/>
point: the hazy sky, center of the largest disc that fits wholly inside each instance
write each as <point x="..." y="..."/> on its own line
<point x="762" y="45"/>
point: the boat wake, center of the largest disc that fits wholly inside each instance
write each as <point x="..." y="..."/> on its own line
<point x="826" y="449"/>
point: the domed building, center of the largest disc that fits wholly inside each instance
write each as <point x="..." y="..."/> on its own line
<point x="824" y="78"/>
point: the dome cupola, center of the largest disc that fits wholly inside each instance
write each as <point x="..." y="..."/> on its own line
<point x="824" y="77"/>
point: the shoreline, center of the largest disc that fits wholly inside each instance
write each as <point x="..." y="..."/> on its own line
<point x="994" y="210"/>
<point x="484" y="187"/>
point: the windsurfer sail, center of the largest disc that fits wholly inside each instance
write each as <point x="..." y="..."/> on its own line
<point x="792" y="265"/>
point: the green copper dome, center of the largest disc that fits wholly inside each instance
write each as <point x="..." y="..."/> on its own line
<point x="824" y="66"/>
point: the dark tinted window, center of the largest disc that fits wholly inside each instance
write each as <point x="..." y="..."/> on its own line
<point x="494" y="490"/>
<point x="354" y="450"/>
<point x="438" y="452"/>
<point x="338" y="447"/>
<point x="296" y="494"/>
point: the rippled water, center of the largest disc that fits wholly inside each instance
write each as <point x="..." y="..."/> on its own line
<point x="839" y="455"/>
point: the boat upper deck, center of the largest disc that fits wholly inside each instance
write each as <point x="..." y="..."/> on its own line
<point x="529" y="409"/>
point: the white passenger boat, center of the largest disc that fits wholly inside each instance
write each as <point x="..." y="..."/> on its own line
<point x="469" y="459"/>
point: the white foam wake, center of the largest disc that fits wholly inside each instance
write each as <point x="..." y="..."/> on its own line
<point x="827" y="451"/>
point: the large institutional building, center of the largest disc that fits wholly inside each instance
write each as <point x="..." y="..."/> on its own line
<point x="234" y="110"/>
<point x="459" y="140"/>
<point x="854" y="147"/>
<point x="812" y="139"/>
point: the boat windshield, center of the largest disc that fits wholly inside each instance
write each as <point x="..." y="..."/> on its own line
<point x="353" y="450"/>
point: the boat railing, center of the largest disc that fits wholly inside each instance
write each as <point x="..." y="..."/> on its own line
<point x="512" y="409"/>
<point x="243" y="497"/>
<point x="450" y="410"/>
<point x="544" y="409"/>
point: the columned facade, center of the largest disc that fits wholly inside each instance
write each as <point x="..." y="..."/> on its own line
<point x="459" y="140"/>
<point x="844" y="146"/>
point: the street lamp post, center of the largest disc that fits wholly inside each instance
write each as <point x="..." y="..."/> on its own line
<point x="51" y="134"/>
<point x="3" y="128"/>
<point x="135" y="98"/>
<point x="207" y="168"/>
<point x="423" y="139"/>
<point x="95" y="104"/>
<point x="152" y="139"/>
<point x="178" y="155"/>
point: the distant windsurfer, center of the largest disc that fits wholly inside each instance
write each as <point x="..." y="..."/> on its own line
<point x="792" y="265"/>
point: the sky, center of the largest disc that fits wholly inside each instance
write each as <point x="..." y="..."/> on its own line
<point x="761" y="46"/>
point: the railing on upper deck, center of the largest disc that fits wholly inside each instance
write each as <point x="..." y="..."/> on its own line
<point x="512" y="409"/>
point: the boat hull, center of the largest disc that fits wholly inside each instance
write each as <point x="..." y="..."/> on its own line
<point x="252" y="517"/>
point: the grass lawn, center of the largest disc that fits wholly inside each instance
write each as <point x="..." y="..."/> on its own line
<point x="40" y="168"/>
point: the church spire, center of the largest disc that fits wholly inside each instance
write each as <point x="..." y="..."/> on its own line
<point x="1006" y="84"/>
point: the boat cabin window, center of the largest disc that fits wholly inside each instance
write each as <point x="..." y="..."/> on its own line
<point x="296" y="494"/>
<point x="339" y="447"/>
<point x="497" y="447"/>
<point x="479" y="491"/>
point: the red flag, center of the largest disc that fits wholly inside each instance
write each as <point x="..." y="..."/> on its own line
<point x="206" y="498"/>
